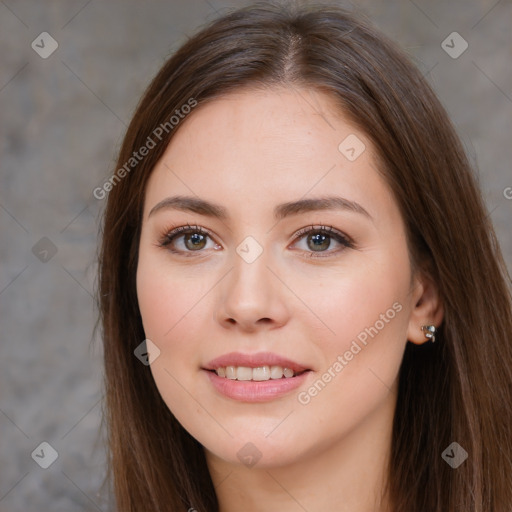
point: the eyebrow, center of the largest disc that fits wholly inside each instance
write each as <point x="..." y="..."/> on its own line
<point x="208" y="209"/>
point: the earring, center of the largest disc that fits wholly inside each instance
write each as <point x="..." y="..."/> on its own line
<point x="430" y="332"/>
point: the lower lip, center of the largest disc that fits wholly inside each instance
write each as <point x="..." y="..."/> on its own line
<point x="255" y="391"/>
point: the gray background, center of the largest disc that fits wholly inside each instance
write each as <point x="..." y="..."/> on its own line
<point x="62" y="120"/>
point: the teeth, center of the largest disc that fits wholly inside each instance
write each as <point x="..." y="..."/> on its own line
<point x="258" y="374"/>
<point x="276" y="372"/>
<point x="230" y="372"/>
<point x="261" y="373"/>
<point x="243" y="373"/>
<point x="287" y="372"/>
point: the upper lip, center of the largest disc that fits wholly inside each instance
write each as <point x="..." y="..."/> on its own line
<point x="253" y="361"/>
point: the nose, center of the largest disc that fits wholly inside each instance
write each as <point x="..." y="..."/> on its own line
<point x="251" y="297"/>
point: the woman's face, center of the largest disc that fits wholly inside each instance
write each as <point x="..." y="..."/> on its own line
<point x="269" y="278"/>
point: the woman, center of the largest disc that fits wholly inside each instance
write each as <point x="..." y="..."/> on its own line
<point x="303" y="302"/>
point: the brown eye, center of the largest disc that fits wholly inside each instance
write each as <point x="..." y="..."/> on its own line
<point x="195" y="241"/>
<point x="186" y="240"/>
<point x="318" y="242"/>
<point x="318" y="239"/>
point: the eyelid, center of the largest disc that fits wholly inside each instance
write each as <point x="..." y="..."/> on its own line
<point x="176" y="230"/>
<point x="322" y="228"/>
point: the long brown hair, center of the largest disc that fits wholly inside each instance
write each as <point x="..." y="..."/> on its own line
<point x="456" y="390"/>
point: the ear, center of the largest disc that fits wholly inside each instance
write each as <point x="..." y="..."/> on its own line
<point x="427" y="308"/>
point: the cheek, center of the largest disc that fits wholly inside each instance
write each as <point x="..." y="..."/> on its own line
<point x="361" y="360"/>
<point x="171" y="311"/>
<point x="165" y="297"/>
<point x="366" y="312"/>
<point x="361" y="303"/>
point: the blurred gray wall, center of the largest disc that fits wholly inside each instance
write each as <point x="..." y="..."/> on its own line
<point x="62" y="120"/>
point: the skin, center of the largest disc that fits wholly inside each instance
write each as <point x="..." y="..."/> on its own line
<point x="250" y="151"/>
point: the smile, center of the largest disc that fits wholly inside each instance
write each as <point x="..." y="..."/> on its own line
<point x="261" y="373"/>
<point x="257" y="377"/>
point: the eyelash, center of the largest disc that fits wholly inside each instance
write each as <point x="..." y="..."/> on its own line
<point x="342" y="239"/>
<point x="173" y="233"/>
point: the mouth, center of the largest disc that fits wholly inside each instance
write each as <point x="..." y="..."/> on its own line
<point x="255" y="377"/>
<point x="258" y="374"/>
<point x="252" y="391"/>
<point x="259" y="366"/>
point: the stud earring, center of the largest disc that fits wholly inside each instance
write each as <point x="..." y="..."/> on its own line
<point x="430" y="332"/>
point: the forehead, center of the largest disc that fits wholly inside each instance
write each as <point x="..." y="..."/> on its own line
<point x="267" y="146"/>
<point x="265" y="123"/>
